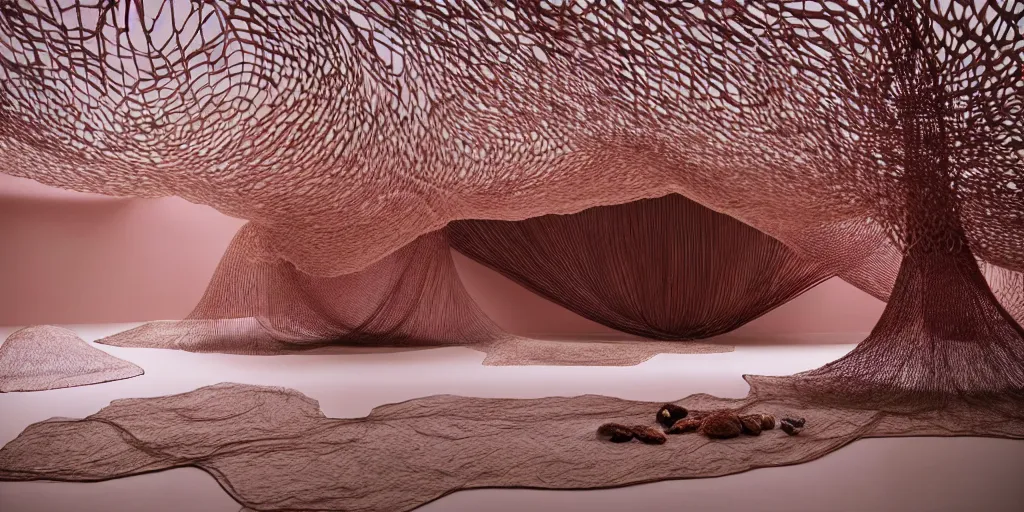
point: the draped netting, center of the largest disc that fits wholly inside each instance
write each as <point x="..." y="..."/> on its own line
<point x="664" y="268"/>
<point x="348" y="129"/>
<point x="262" y="305"/>
<point x="879" y="140"/>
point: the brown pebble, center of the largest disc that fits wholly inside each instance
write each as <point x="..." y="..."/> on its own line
<point x="721" y="425"/>
<point x="751" y="424"/>
<point x="683" y="426"/>
<point x="615" y="433"/>
<point x="669" y="414"/>
<point x="648" y="435"/>
<point x="767" y="422"/>
<point x="789" y="428"/>
<point x="796" y="422"/>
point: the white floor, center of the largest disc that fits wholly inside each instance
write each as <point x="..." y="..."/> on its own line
<point x="909" y="474"/>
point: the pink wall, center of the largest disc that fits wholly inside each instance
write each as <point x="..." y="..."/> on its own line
<point x="67" y="257"/>
<point x="80" y="258"/>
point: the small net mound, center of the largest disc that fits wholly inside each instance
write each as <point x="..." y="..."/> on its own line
<point x="46" y="357"/>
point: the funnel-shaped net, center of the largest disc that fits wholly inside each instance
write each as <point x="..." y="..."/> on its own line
<point x="944" y="335"/>
<point x="862" y="136"/>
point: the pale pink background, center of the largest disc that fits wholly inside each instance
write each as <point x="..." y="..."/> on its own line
<point x="68" y="257"/>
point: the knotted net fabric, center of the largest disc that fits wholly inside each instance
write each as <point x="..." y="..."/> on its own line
<point x="259" y="304"/>
<point x="880" y="140"/>
<point x="326" y="121"/>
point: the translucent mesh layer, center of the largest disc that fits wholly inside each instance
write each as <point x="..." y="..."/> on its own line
<point x="253" y="305"/>
<point x="325" y="120"/>
<point x="273" y="449"/>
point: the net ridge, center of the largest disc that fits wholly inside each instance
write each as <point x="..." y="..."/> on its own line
<point x="258" y="304"/>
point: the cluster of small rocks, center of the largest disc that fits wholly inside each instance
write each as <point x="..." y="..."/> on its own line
<point x="720" y="424"/>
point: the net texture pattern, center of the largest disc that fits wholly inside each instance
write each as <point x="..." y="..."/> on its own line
<point x="274" y="449"/>
<point x="880" y="142"/>
<point x="46" y="357"/>
<point x="665" y="268"/>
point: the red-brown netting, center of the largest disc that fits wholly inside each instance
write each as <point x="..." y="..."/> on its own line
<point x="262" y="305"/>
<point x="877" y="141"/>
<point x="665" y="268"/>
<point x="413" y="298"/>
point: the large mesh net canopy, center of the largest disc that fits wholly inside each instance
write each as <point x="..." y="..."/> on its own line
<point x="672" y="169"/>
<point x="851" y="132"/>
<point x="323" y="120"/>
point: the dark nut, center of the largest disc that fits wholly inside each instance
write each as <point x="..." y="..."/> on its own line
<point x="721" y="425"/>
<point x="767" y="422"/>
<point x="615" y="433"/>
<point x="648" y="435"/>
<point x="683" y="426"/>
<point x="751" y="424"/>
<point x="789" y="428"/>
<point x="669" y="414"/>
<point x="796" y="422"/>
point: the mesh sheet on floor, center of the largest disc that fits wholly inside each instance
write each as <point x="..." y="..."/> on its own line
<point x="273" y="449"/>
